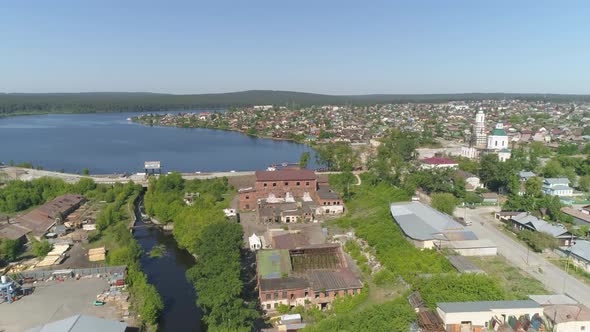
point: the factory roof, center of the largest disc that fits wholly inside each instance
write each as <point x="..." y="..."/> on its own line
<point x="333" y="280"/>
<point x="81" y="323"/>
<point x="283" y="283"/>
<point x="12" y="231"/>
<point x="285" y="175"/>
<point x="561" y="313"/>
<point x="273" y="263"/>
<point x="479" y="306"/>
<point x="421" y="222"/>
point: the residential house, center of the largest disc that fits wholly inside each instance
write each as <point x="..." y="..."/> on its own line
<point x="525" y="221"/>
<point x="472" y="182"/>
<point x="580" y="218"/>
<point x="579" y="252"/>
<point x="489" y="198"/>
<point x="557" y="187"/>
<point x="525" y="175"/>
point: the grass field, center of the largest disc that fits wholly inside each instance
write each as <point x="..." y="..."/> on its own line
<point x="515" y="282"/>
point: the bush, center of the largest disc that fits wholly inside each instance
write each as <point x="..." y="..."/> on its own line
<point x="41" y="248"/>
<point x="538" y="241"/>
<point x="10" y="249"/>
<point x="458" y="288"/>
<point x="444" y="202"/>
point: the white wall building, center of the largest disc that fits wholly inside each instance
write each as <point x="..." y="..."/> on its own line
<point x="467" y="315"/>
<point x="498" y="139"/>
<point x="557" y="187"/>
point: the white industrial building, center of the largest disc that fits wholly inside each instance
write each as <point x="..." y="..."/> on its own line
<point x="428" y="228"/>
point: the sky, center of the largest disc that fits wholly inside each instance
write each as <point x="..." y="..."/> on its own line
<point x="321" y="46"/>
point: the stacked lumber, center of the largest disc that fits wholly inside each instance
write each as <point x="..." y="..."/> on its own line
<point x="97" y="254"/>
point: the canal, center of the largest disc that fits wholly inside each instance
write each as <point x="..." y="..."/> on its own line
<point x="168" y="274"/>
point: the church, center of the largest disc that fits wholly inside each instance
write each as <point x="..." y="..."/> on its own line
<point x="495" y="142"/>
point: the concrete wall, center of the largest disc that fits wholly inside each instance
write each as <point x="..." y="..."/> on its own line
<point x="493" y="251"/>
<point x="329" y="209"/>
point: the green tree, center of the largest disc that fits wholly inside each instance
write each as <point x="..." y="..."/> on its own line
<point x="10" y="249"/>
<point x="85" y="171"/>
<point x="553" y="169"/>
<point x="304" y="160"/>
<point x="444" y="202"/>
<point x="41" y="248"/>
<point x="533" y="187"/>
<point x="584" y="182"/>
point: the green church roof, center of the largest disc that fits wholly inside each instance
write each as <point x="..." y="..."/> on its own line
<point x="498" y="132"/>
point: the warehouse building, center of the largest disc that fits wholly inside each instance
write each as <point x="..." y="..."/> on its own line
<point x="428" y="228"/>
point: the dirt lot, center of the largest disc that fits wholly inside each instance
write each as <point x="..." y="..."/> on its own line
<point x="54" y="301"/>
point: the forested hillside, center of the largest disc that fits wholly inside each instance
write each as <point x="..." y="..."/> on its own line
<point x="33" y="103"/>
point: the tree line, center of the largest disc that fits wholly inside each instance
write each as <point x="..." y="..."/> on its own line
<point x="31" y="103"/>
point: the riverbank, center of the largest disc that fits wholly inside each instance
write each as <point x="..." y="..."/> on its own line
<point x="193" y="125"/>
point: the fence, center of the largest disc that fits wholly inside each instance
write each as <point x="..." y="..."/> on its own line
<point x="41" y="275"/>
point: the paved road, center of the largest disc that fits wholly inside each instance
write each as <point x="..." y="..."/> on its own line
<point x="554" y="279"/>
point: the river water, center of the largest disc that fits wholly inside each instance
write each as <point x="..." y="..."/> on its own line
<point x="168" y="274"/>
<point x="108" y="143"/>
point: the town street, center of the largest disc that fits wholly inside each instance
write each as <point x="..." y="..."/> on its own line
<point x="554" y="279"/>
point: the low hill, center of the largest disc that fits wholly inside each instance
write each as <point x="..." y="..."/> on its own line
<point x="32" y="103"/>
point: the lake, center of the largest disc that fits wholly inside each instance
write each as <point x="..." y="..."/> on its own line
<point x="108" y="143"/>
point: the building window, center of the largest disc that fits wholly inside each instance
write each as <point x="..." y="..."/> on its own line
<point x="268" y="306"/>
<point x="307" y="183"/>
<point x="276" y="305"/>
<point x="247" y="197"/>
<point x="496" y="143"/>
<point x="276" y="295"/>
<point x="298" y="183"/>
<point x="336" y="293"/>
<point x="292" y="296"/>
<point x="306" y="293"/>
<point x="354" y="291"/>
<point x="274" y="184"/>
<point x="284" y="295"/>
<point x="317" y="295"/>
<point x="326" y="294"/>
<point x="247" y="206"/>
<point x="286" y="183"/>
<point x="265" y="184"/>
<point x="268" y="296"/>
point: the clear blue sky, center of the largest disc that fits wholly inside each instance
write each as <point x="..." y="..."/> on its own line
<point x="336" y="47"/>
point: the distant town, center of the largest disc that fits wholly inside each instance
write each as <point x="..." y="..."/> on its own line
<point x="456" y="216"/>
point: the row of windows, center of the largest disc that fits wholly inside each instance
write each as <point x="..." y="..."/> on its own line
<point x="285" y="295"/>
<point x="274" y="184"/>
<point x="330" y="203"/>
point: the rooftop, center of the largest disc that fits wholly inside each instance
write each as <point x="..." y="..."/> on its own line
<point x="479" y="306"/>
<point x="421" y="222"/>
<point x="439" y="161"/>
<point x="286" y="175"/>
<point x="81" y="323"/>
<point x="581" y="248"/>
<point x="561" y="313"/>
<point x="539" y="225"/>
<point x="554" y="181"/>
<point x="273" y="264"/>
